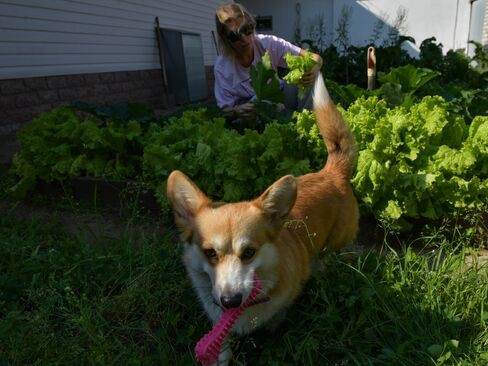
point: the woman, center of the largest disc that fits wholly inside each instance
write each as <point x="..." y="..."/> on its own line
<point x="241" y="47"/>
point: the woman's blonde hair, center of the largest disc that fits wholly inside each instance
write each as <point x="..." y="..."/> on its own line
<point x="227" y="13"/>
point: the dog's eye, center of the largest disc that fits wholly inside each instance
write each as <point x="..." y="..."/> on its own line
<point x="210" y="253"/>
<point x="248" y="253"/>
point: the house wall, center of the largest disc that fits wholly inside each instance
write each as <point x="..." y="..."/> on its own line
<point x="485" y="26"/>
<point x="484" y="38"/>
<point x="447" y="20"/>
<point x="54" y="52"/>
<point x="479" y="24"/>
<point x="60" y="37"/>
<point x="288" y="15"/>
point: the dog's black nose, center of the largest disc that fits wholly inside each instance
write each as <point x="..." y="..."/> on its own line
<point x="231" y="301"/>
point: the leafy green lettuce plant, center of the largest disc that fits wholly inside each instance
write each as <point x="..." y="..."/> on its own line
<point x="421" y="162"/>
<point x="298" y="66"/>
<point x="228" y="165"/>
<point x="60" y="144"/>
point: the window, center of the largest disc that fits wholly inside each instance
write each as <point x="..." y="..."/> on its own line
<point x="264" y="23"/>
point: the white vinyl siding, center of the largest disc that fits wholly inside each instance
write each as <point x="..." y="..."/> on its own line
<point x="484" y="40"/>
<point x="56" y="37"/>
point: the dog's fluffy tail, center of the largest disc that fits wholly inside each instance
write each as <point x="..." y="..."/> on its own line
<point x="337" y="135"/>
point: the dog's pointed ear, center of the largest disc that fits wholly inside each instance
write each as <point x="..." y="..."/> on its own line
<point x="186" y="200"/>
<point x="278" y="200"/>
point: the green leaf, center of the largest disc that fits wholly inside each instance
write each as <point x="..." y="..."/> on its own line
<point x="393" y="211"/>
<point x="408" y="77"/>
<point x="400" y="84"/>
<point x="453" y="344"/>
<point x="435" y="350"/>
<point x="265" y="82"/>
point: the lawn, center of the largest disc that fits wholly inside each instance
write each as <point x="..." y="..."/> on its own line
<point x="85" y="297"/>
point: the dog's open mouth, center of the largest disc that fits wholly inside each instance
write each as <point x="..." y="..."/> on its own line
<point x="259" y="300"/>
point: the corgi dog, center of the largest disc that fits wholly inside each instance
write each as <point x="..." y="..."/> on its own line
<point x="275" y="235"/>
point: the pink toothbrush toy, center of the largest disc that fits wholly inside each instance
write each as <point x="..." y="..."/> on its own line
<point x="208" y="348"/>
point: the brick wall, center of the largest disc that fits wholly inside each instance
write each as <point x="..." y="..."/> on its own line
<point x="22" y="99"/>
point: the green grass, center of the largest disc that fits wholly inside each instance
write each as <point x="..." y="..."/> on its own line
<point x="127" y="301"/>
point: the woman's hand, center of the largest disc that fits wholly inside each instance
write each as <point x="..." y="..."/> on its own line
<point x="246" y="111"/>
<point x="309" y="77"/>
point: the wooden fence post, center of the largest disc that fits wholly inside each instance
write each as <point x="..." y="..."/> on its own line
<point x="371" y="62"/>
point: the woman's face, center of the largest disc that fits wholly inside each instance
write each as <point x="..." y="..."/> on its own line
<point x="240" y="34"/>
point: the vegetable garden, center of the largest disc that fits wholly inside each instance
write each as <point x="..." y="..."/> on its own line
<point x="422" y="139"/>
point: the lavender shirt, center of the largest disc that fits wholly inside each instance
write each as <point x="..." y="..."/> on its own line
<point x="232" y="80"/>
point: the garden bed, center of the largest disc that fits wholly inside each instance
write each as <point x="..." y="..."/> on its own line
<point x="126" y="197"/>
